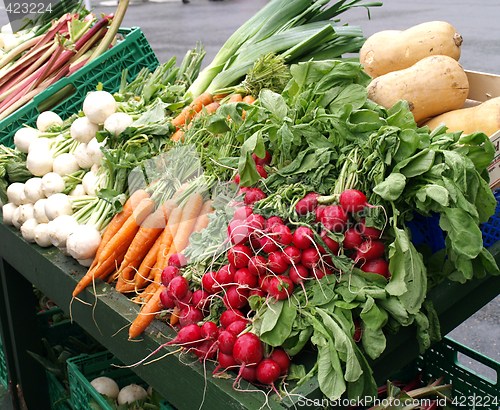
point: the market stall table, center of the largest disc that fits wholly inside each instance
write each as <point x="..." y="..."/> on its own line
<point x="187" y="383"/>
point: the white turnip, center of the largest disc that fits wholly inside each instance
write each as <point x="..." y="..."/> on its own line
<point x="83" y="241"/>
<point x="131" y="393"/>
<point x="82" y="156"/>
<point x="28" y="230"/>
<point x="65" y="164"/>
<point x="99" y="105"/>
<point x="59" y="230"/>
<point x="52" y="183"/>
<point x="117" y="123"/>
<point x="39" y="211"/>
<point x="8" y="213"/>
<point x="57" y="205"/>
<point x="24" y="137"/>
<point x="33" y="189"/>
<point x="106" y="386"/>
<point x="39" y="162"/>
<point x="15" y="193"/>
<point x="47" y="119"/>
<point x="82" y="130"/>
<point x="42" y="235"/>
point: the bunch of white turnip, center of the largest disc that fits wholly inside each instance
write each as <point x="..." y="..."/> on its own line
<point x="59" y="205"/>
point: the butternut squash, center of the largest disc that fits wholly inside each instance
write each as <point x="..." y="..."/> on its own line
<point x="432" y="86"/>
<point x="484" y="117"/>
<point x="392" y="50"/>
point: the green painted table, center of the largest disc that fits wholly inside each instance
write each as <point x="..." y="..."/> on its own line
<point x="184" y="382"/>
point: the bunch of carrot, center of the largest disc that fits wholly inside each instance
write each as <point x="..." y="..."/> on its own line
<point x="205" y="103"/>
<point x="138" y="243"/>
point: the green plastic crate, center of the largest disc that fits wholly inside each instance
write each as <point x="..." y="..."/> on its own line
<point x="58" y="395"/>
<point x="66" y="96"/>
<point x="470" y="389"/>
<point x="4" y="374"/>
<point x="84" y="368"/>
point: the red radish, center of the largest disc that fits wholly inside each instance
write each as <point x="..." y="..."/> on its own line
<point x="307" y="204"/>
<point x="268" y="371"/>
<point x="281" y="234"/>
<point x="293" y="253"/>
<point x="256" y="222"/>
<point x="303" y="237"/>
<point x="235" y="297"/>
<point x="206" y="350"/>
<point x="188" y="336"/>
<point x="189" y="315"/>
<point x="248" y="373"/>
<point x="237" y="327"/>
<point x="379" y="266"/>
<point x="178" y="260"/>
<point x="168" y="274"/>
<point x="253" y="195"/>
<point x="166" y="301"/>
<point x="320" y="271"/>
<point x="238" y="231"/>
<point x="331" y="244"/>
<point x="229" y="316"/>
<point x="208" y="281"/>
<point x="226" y="342"/>
<point x="237" y="179"/>
<point x="239" y="255"/>
<point x="209" y="330"/>
<point x="352" y="239"/>
<point x="186" y="300"/>
<point x="310" y="258"/>
<point x="224" y="276"/>
<point x="282" y="358"/>
<point x="261" y="171"/>
<point x="268" y="244"/>
<point x="264" y="282"/>
<point x="245" y="278"/>
<point x="352" y="200"/>
<point x="248" y="349"/>
<point x="200" y="299"/>
<point x="280" y="287"/>
<point x="178" y="287"/>
<point x="257" y="292"/>
<point x="370" y="250"/>
<point x="298" y="274"/>
<point x="358" y="331"/>
<point x="319" y="212"/>
<point x="241" y="213"/>
<point x="273" y="220"/>
<point x="226" y="360"/>
<point x="368" y="232"/>
<point x="334" y="218"/>
<point x="257" y="265"/>
<point x="277" y="262"/>
<point x="262" y="161"/>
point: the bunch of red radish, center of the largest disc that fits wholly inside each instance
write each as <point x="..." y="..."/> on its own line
<point x="267" y="258"/>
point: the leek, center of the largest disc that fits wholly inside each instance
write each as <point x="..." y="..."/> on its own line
<point x="296" y="29"/>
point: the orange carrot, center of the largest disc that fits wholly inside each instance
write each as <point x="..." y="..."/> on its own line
<point x="118" y="220"/>
<point x="145" y="237"/>
<point x="144" y="271"/>
<point x="235" y="98"/>
<point x="249" y="99"/>
<point x="146" y="315"/>
<point x="188" y="112"/>
<point x="168" y="238"/>
<point x="178" y="135"/>
<point x="128" y="230"/>
<point x="174" y="317"/>
<point x="202" y="221"/>
<point x="219" y="97"/>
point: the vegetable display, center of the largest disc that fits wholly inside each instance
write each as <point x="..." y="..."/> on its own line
<point x="265" y="207"/>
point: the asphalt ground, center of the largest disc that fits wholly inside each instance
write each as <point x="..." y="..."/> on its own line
<point x="173" y="27"/>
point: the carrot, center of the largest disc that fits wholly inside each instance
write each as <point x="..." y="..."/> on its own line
<point x="190" y="213"/>
<point x="145" y="237"/>
<point x="174" y="317"/>
<point x="178" y="135"/>
<point x="249" y="99"/>
<point x="188" y="112"/>
<point x="235" y="98"/>
<point x="219" y="97"/>
<point x="118" y="220"/>
<point x="146" y="315"/>
<point x="144" y="271"/>
<point x="128" y="230"/>
<point x="210" y="108"/>
<point x="202" y="221"/>
<point x="168" y="238"/>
